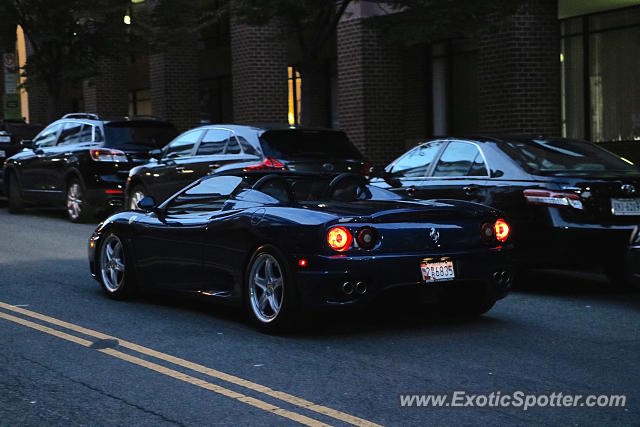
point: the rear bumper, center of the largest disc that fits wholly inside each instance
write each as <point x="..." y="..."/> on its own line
<point x="106" y="191"/>
<point x="320" y="282"/>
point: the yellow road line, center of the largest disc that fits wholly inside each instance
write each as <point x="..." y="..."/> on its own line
<point x="283" y="396"/>
<point x="299" y="418"/>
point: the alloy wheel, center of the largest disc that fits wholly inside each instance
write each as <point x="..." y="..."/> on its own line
<point x="112" y="266"/>
<point x="74" y="201"/>
<point x="136" y="196"/>
<point x="266" y="288"/>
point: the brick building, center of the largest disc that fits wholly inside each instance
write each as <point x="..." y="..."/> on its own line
<point x="557" y="67"/>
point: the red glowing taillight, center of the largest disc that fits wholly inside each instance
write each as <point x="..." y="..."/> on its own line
<point x="267" y="163"/>
<point x="553" y="198"/>
<point x="502" y="230"/>
<point x="339" y="238"/>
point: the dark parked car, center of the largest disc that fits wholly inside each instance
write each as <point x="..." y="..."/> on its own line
<point x="571" y="203"/>
<point x="11" y="133"/>
<point x="82" y="162"/>
<point x="281" y="242"/>
<point x="218" y="148"/>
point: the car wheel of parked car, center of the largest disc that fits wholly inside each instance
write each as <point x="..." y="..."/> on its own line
<point x="136" y="194"/>
<point x="16" y="203"/>
<point x="77" y="207"/>
<point x="270" y="296"/>
<point x="115" y="276"/>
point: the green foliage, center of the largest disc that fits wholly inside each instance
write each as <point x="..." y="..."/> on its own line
<point x="68" y="37"/>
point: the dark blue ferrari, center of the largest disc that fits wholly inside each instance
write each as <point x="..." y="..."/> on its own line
<point x="280" y="243"/>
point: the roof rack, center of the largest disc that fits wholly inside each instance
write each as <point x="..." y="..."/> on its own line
<point x="90" y="116"/>
<point x="143" y="117"/>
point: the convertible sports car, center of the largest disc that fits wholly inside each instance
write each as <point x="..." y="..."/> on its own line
<point x="281" y="242"/>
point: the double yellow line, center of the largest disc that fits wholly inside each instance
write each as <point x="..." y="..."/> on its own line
<point x="213" y="373"/>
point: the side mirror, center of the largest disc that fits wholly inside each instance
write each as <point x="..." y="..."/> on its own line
<point x="156" y="154"/>
<point x="148" y="204"/>
<point x="27" y="144"/>
<point x="496" y="173"/>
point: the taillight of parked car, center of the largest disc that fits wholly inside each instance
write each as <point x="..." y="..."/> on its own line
<point x="267" y="163"/>
<point x="367" y="238"/>
<point x="502" y="230"/>
<point x="553" y="198"/>
<point x="107" y="155"/>
<point x="367" y="169"/>
<point x="339" y="238"/>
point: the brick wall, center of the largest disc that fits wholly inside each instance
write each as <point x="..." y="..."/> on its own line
<point x="173" y="75"/>
<point x="259" y="73"/>
<point x="106" y="93"/>
<point x="414" y="106"/>
<point x="519" y="72"/>
<point x="370" y="91"/>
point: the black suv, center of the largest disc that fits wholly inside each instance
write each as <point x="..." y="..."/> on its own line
<point x="11" y="133"/>
<point x="82" y="162"/>
<point x="217" y="148"/>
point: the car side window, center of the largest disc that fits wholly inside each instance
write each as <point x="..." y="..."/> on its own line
<point x="246" y="146"/>
<point x="208" y="195"/>
<point x="70" y="133"/>
<point x="232" y="146"/>
<point x="86" y="133"/>
<point x="48" y="137"/>
<point x="461" y="159"/>
<point x="97" y="137"/>
<point x="213" y="142"/>
<point x="183" y="145"/>
<point x="416" y="163"/>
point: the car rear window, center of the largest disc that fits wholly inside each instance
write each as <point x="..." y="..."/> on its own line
<point x="146" y="134"/>
<point x="542" y="156"/>
<point x="294" y="143"/>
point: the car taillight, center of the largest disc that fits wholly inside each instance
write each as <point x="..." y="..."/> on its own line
<point x="339" y="238"/>
<point x="267" y="163"/>
<point x="502" y="230"/>
<point x="107" y="155"/>
<point x="367" y="238"/>
<point x="553" y="198"/>
<point x="367" y="169"/>
<point x="488" y="233"/>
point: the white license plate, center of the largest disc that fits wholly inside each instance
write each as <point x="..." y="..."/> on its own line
<point x="5" y="139"/>
<point x="3" y="153"/>
<point x="625" y="206"/>
<point x="437" y="271"/>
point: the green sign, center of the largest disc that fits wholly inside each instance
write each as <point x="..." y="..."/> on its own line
<point x="11" y="104"/>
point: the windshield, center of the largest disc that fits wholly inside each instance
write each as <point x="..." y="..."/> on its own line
<point x="296" y="143"/>
<point x="545" y="156"/>
<point x="146" y="134"/>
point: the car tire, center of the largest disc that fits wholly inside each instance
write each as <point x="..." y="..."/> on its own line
<point x="114" y="269"/>
<point x="270" y="295"/>
<point x="16" y="202"/>
<point x="135" y="195"/>
<point x="78" y="209"/>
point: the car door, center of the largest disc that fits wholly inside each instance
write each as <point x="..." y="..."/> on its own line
<point x="406" y="175"/>
<point x="57" y="160"/>
<point x="32" y="176"/>
<point x="461" y="172"/>
<point x="175" y="170"/>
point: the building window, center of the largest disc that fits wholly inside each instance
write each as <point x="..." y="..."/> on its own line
<point x="454" y="87"/>
<point x="600" y="59"/>
<point x="140" y="102"/>
<point x="295" y="96"/>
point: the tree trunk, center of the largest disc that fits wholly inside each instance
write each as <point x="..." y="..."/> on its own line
<point x="53" y="101"/>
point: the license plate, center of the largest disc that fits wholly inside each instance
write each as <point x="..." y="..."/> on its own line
<point x="625" y="206"/>
<point x="5" y="139"/>
<point x="437" y="271"/>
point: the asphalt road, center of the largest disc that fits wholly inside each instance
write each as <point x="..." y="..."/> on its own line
<point x="563" y="333"/>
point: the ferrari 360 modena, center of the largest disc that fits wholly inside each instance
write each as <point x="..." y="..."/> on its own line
<point x="283" y="243"/>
